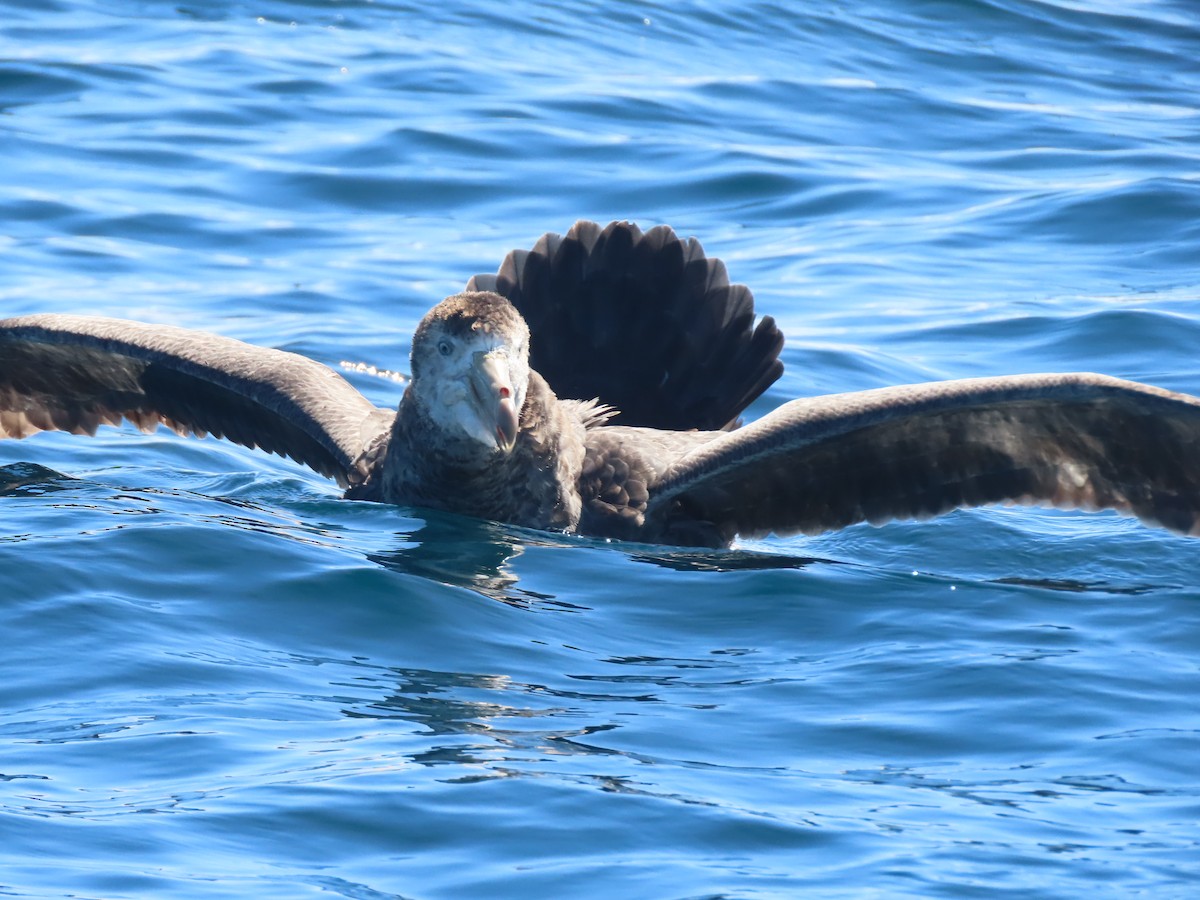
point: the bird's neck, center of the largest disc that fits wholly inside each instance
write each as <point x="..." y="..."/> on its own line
<point x="437" y="451"/>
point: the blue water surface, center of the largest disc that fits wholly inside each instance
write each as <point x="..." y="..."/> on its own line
<point x="218" y="679"/>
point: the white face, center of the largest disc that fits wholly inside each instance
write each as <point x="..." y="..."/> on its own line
<point x="473" y="384"/>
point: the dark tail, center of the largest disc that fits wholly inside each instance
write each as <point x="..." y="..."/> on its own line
<point x="644" y="321"/>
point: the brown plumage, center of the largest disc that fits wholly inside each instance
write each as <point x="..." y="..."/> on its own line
<point x="594" y="386"/>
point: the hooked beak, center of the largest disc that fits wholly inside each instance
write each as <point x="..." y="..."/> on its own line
<point x="493" y="397"/>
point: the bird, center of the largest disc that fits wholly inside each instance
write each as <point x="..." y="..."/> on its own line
<point x="595" y="384"/>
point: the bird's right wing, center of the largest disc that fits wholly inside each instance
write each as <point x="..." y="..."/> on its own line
<point x="1081" y="440"/>
<point x="74" y="373"/>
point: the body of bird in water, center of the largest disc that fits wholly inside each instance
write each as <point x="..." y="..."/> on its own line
<point x="594" y="385"/>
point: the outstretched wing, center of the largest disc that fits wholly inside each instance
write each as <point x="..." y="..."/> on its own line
<point x="1080" y="440"/>
<point x="644" y="321"/>
<point x="74" y="373"/>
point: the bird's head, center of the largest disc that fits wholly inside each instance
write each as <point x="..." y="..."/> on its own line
<point x="470" y="367"/>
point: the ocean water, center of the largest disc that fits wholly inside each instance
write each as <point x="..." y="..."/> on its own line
<point x="218" y="679"/>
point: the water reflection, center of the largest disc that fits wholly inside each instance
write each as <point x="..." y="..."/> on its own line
<point x="450" y="549"/>
<point x="497" y="719"/>
<point x="483" y="556"/>
<point x="438" y="700"/>
<point x="481" y="728"/>
<point x="462" y="552"/>
<point x="28" y="479"/>
<point x="1074" y="586"/>
<point x="686" y="560"/>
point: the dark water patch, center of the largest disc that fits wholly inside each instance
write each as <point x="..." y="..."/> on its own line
<point x="616" y="109"/>
<point x="1112" y="341"/>
<point x="448" y="151"/>
<point x="19" y="86"/>
<point x="1165" y="210"/>
<point x="38" y="210"/>
<point x="383" y="192"/>
<point x="1078" y="587"/>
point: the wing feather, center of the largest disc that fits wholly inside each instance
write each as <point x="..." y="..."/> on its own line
<point x="75" y="373"/>
<point x="1077" y="440"/>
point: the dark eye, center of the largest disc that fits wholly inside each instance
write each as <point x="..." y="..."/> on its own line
<point x="444" y="347"/>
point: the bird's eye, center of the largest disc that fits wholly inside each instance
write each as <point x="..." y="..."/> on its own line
<point x="444" y="347"/>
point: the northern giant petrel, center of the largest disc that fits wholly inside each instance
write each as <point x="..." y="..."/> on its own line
<point x="593" y="385"/>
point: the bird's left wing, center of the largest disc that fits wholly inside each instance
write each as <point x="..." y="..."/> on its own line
<point x="74" y="373"/>
<point x="1076" y="440"/>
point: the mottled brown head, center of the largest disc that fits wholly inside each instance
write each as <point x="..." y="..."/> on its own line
<point x="470" y="368"/>
<point x="475" y="313"/>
